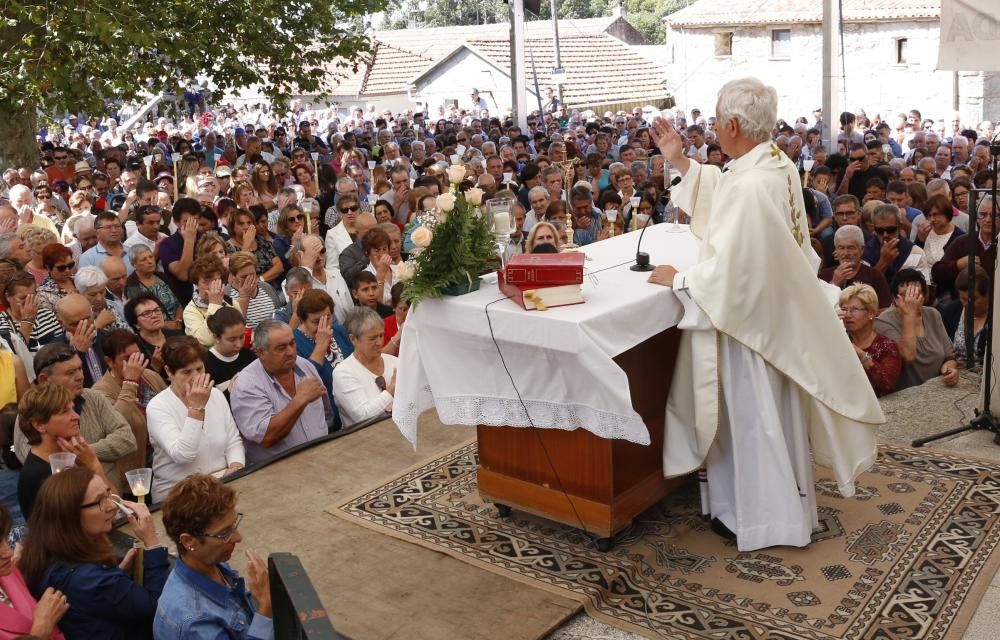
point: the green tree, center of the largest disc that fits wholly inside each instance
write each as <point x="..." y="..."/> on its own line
<point x="76" y="55"/>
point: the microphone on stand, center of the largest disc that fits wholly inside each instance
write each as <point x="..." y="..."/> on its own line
<point x="641" y="257"/>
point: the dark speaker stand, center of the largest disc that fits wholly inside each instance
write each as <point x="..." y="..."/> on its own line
<point x="984" y="420"/>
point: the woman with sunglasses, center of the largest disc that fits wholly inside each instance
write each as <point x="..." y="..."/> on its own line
<point x="365" y="382"/>
<point x="344" y="234"/>
<point x="204" y="597"/>
<point x="58" y="260"/>
<point x="291" y="224"/>
<point x="68" y="549"/>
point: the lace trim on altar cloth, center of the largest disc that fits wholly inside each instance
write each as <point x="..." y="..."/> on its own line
<point x="474" y="410"/>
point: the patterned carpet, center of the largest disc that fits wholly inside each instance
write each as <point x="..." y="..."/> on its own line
<point x="909" y="557"/>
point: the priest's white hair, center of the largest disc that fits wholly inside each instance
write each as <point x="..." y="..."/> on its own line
<point x="753" y="104"/>
<point x="850" y="233"/>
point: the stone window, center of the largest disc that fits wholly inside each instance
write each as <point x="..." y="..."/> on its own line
<point x="724" y="44"/>
<point x="781" y="43"/>
<point x="901" y="51"/>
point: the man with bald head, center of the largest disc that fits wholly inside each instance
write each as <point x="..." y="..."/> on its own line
<point x="114" y="268"/>
<point x="77" y="319"/>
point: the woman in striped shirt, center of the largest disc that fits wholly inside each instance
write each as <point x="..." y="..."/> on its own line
<point x="23" y="321"/>
<point x="257" y="299"/>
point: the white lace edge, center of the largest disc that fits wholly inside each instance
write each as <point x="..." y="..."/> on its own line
<point x="476" y="410"/>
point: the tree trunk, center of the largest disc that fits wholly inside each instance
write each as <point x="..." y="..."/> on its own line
<point x="17" y="139"/>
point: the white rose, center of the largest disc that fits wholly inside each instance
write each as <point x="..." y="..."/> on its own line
<point x="456" y="173"/>
<point x="422" y="237"/>
<point x="474" y="196"/>
<point x="446" y="201"/>
<point x="405" y="271"/>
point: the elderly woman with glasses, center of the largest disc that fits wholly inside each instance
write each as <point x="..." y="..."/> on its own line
<point x="878" y="354"/>
<point x="365" y="382"/>
<point x="204" y="597"/>
<point x="93" y="284"/>
<point x="144" y="313"/>
<point x="58" y="259"/>
<point x="190" y="424"/>
<point x="344" y="234"/>
<point x="68" y="549"/>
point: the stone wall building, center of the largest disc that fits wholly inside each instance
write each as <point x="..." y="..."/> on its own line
<point x="890" y="57"/>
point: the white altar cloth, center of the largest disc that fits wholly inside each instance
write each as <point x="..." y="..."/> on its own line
<point x="560" y="359"/>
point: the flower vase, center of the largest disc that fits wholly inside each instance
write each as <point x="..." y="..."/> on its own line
<point x="461" y="288"/>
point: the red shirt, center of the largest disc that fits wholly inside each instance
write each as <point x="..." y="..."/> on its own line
<point x="391" y="329"/>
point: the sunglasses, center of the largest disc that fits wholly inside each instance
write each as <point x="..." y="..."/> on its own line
<point x="294" y="218"/>
<point x="64" y="267"/>
<point x="349" y="209"/>
<point x="887" y="230"/>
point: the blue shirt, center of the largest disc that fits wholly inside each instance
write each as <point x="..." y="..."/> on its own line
<point x="93" y="257"/>
<point x="194" y="607"/>
<point x="105" y="602"/>
<point x="257" y="397"/>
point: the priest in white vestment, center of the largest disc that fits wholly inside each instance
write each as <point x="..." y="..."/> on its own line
<point x="765" y="369"/>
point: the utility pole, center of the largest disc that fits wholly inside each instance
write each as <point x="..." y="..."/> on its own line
<point x="518" y="90"/>
<point x="833" y="75"/>
<point x="555" y="34"/>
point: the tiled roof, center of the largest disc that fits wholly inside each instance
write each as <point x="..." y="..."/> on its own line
<point x="392" y="69"/>
<point x="707" y="13"/>
<point x="600" y="69"/>
<point x="401" y="54"/>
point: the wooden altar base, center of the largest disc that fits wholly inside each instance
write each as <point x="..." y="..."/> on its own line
<point x="580" y="479"/>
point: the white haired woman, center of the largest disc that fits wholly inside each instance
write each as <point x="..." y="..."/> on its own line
<point x="879" y="355"/>
<point x="365" y="382"/>
<point x="93" y="284"/>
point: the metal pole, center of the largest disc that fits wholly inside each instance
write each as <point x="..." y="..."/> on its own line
<point x="833" y="79"/>
<point x="555" y="35"/>
<point x="519" y="99"/>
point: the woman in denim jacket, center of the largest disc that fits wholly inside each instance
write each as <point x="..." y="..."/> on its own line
<point x="205" y="599"/>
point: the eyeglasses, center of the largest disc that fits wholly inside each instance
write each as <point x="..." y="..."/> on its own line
<point x="64" y="267"/>
<point x="225" y="535"/>
<point x="380" y="383"/>
<point x="844" y="213"/>
<point x="349" y="209"/>
<point x="294" y="218"/>
<point x="113" y="225"/>
<point x="854" y="309"/>
<point x="151" y="313"/>
<point x="64" y="355"/>
<point x="859" y="158"/>
<point x="105" y="501"/>
<point x="887" y="230"/>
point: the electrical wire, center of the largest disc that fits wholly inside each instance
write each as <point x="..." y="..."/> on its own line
<point x="527" y="414"/>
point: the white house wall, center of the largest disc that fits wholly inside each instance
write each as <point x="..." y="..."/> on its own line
<point x="873" y="81"/>
<point x="455" y="78"/>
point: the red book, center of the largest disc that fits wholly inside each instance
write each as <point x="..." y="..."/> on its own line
<point x="532" y="298"/>
<point x="545" y="269"/>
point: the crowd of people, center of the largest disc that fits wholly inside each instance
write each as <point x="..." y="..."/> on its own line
<point x="202" y="295"/>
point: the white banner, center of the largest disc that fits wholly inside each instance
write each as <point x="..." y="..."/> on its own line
<point x="970" y="33"/>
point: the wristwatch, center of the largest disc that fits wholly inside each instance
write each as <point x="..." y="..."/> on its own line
<point x="865" y="358"/>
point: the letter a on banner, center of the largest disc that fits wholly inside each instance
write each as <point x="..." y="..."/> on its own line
<point x="970" y="33"/>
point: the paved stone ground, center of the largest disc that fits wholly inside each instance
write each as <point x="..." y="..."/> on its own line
<point x="911" y="413"/>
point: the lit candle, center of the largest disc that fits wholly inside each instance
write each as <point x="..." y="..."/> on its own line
<point x="501" y="222"/>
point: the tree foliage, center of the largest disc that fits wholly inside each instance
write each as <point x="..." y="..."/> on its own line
<point x="75" y="55"/>
<point x="645" y="15"/>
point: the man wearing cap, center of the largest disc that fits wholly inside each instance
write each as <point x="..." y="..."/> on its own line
<point x="223" y="174"/>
